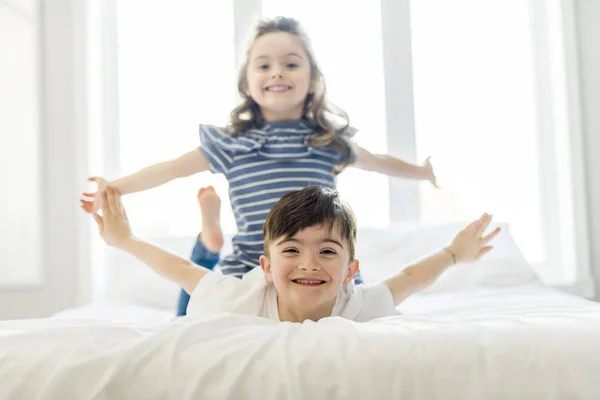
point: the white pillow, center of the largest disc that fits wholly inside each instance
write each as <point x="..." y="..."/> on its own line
<point x="386" y="251"/>
<point x="131" y="281"/>
<point x="381" y="252"/>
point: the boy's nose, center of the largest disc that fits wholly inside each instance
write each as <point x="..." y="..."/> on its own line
<point x="310" y="265"/>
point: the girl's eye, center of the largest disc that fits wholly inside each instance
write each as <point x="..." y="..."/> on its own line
<point x="292" y="65"/>
<point x="263" y="67"/>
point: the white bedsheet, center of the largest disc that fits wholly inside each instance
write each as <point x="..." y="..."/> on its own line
<point x="516" y="344"/>
<point x="119" y="312"/>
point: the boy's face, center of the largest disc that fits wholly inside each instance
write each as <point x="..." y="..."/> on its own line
<point x="309" y="269"/>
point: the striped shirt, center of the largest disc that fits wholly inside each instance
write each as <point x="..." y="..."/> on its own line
<point x="261" y="166"/>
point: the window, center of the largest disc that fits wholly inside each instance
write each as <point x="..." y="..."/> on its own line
<point x="176" y="71"/>
<point x="475" y="114"/>
<point x="487" y="108"/>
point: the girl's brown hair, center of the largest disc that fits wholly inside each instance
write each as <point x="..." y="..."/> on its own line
<point x="318" y="112"/>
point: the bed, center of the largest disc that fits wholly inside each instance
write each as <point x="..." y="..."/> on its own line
<point x="491" y="331"/>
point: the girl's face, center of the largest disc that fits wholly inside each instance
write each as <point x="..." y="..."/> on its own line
<point x="309" y="269"/>
<point x="278" y="76"/>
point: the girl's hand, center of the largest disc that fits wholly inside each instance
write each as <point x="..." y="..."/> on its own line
<point x="91" y="202"/>
<point x="429" y="174"/>
<point x="113" y="225"/>
<point x="469" y="245"/>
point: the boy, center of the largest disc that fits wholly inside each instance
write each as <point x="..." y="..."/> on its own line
<point x="308" y="265"/>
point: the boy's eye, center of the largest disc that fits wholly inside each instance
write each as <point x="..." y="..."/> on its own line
<point x="290" y="251"/>
<point x="328" y="252"/>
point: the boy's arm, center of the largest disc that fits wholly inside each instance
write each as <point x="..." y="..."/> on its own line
<point x="392" y="166"/>
<point x="116" y="232"/>
<point x="469" y="245"/>
<point x="174" y="268"/>
<point x="163" y="172"/>
<point x="419" y="275"/>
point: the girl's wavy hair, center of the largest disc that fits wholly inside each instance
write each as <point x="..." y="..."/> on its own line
<point x="318" y="112"/>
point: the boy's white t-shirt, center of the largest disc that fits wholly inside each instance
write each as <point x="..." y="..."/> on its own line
<point x="254" y="295"/>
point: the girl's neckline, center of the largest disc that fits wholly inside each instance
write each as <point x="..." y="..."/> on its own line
<point x="282" y="124"/>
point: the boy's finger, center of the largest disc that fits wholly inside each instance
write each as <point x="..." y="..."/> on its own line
<point x="484" y="251"/>
<point x="110" y="201"/>
<point x="484" y="222"/>
<point x="471" y="228"/>
<point x="115" y="201"/>
<point x="86" y="194"/>
<point x="118" y="203"/>
<point x="99" y="221"/>
<point x="487" y="238"/>
<point x="104" y="206"/>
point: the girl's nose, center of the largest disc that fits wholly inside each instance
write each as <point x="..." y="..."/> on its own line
<point x="276" y="73"/>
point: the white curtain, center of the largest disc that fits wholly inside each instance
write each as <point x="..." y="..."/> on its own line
<point x="20" y="222"/>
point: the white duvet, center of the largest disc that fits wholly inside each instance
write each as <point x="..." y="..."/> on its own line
<point x="543" y="349"/>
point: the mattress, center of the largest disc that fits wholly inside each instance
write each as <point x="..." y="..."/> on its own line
<point x="512" y="343"/>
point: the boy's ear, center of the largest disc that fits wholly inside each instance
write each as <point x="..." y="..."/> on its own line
<point x="352" y="269"/>
<point x="265" y="264"/>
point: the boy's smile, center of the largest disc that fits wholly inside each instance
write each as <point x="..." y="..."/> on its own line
<point x="309" y="269"/>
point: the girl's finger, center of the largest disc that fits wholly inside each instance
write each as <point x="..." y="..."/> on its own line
<point x="87" y="207"/>
<point x="86" y="194"/>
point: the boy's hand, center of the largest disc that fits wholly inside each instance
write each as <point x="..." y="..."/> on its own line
<point x="470" y="244"/>
<point x="91" y="202"/>
<point x="113" y="225"/>
<point x="428" y="173"/>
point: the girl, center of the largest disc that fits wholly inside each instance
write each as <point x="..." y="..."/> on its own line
<point x="284" y="136"/>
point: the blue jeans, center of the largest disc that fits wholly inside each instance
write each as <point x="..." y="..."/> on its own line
<point x="207" y="259"/>
<point x="203" y="257"/>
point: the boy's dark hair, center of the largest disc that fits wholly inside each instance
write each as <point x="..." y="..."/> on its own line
<point x="309" y="207"/>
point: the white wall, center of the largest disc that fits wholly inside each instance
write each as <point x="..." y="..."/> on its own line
<point x="19" y="144"/>
<point x="588" y="18"/>
<point x="61" y="142"/>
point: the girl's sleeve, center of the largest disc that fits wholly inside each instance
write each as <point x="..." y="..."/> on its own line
<point x="349" y="133"/>
<point x="218" y="147"/>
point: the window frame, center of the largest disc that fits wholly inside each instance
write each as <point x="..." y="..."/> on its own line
<point x="569" y="252"/>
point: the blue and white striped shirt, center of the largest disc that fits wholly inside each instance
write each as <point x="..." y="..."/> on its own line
<point x="261" y="166"/>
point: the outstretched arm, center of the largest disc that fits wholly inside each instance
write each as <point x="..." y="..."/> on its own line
<point x="114" y="228"/>
<point x="469" y="245"/>
<point x="148" y="178"/>
<point x="392" y="166"/>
